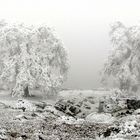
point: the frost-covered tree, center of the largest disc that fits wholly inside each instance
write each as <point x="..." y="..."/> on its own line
<point x="31" y="57"/>
<point x="124" y="60"/>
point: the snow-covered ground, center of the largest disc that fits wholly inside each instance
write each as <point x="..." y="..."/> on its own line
<point x="15" y="122"/>
<point x="5" y="96"/>
<point x="38" y="117"/>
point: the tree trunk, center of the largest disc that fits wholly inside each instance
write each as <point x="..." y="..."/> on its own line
<point x="26" y="92"/>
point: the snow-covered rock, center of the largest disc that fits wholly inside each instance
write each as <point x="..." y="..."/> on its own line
<point x="24" y="105"/>
<point x="69" y="120"/>
<point x="41" y="105"/>
<point x="136" y="112"/>
<point x="68" y="107"/>
<point x="3" y="134"/>
<point x="126" y="127"/>
<point x="65" y="119"/>
<point x="133" y="103"/>
<point x="100" y="118"/>
<point x="52" y="110"/>
<point x="118" y="100"/>
<point x="20" y="117"/>
<point x="75" y="107"/>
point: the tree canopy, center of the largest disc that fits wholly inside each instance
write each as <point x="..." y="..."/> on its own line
<point x="123" y="62"/>
<point x="31" y="56"/>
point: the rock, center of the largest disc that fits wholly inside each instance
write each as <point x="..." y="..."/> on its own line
<point x="33" y="114"/>
<point x="133" y="104"/>
<point x="3" y="105"/>
<point x="72" y="101"/>
<point x="14" y="134"/>
<point x="91" y="99"/>
<point x="86" y="106"/>
<point x="25" y="105"/>
<point x="22" y="118"/>
<point x="51" y="109"/>
<point x="73" y="110"/>
<point x="136" y="112"/>
<point x="41" y="105"/>
<point x="111" y="130"/>
<point x="101" y="107"/>
<point x="123" y="113"/>
<point x="76" y="107"/>
<point x="39" y="110"/>
<point x="109" y="106"/>
<point x="79" y="104"/>
<point x="65" y="119"/>
<point x="113" y="102"/>
<point x="61" y="105"/>
<point x="116" y="102"/>
<point x="125" y="127"/>
<point x="69" y="120"/>
<point x="100" y="118"/>
<point x="67" y="107"/>
<point x="3" y="134"/>
<point x="22" y="137"/>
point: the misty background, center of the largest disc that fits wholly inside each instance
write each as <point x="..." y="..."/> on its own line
<point x="83" y="26"/>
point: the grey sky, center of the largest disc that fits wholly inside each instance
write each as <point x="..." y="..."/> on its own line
<point x="83" y="25"/>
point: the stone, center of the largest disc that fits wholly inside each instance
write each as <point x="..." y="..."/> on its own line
<point x="41" y="105"/>
<point x="136" y="112"/>
<point x="122" y="113"/>
<point x="111" y="130"/>
<point x="61" y="105"/>
<point x="91" y="99"/>
<point x="76" y="107"/>
<point x="133" y="104"/>
<point x="100" y="118"/>
<point x="101" y="107"/>
<point x="109" y="106"/>
<point x="24" y="105"/>
<point x="67" y="107"/>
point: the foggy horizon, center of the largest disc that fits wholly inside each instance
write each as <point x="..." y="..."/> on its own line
<point x="83" y="26"/>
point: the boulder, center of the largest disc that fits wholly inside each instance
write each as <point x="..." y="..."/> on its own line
<point x="41" y="105"/>
<point x="111" y="107"/>
<point x="136" y="112"/>
<point x="3" y="134"/>
<point x="100" y="118"/>
<point x="112" y="104"/>
<point x="101" y="106"/>
<point x="22" y="118"/>
<point x="24" y="105"/>
<point x="111" y="130"/>
<point x="133" y="104"/>
<point x="61" y="105"/>
<point x="76" y="107"/>
<point x="69" y="120"/>
<point x="67" y="107"/>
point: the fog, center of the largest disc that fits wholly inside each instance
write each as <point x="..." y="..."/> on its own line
<point x="83" y="26"/>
